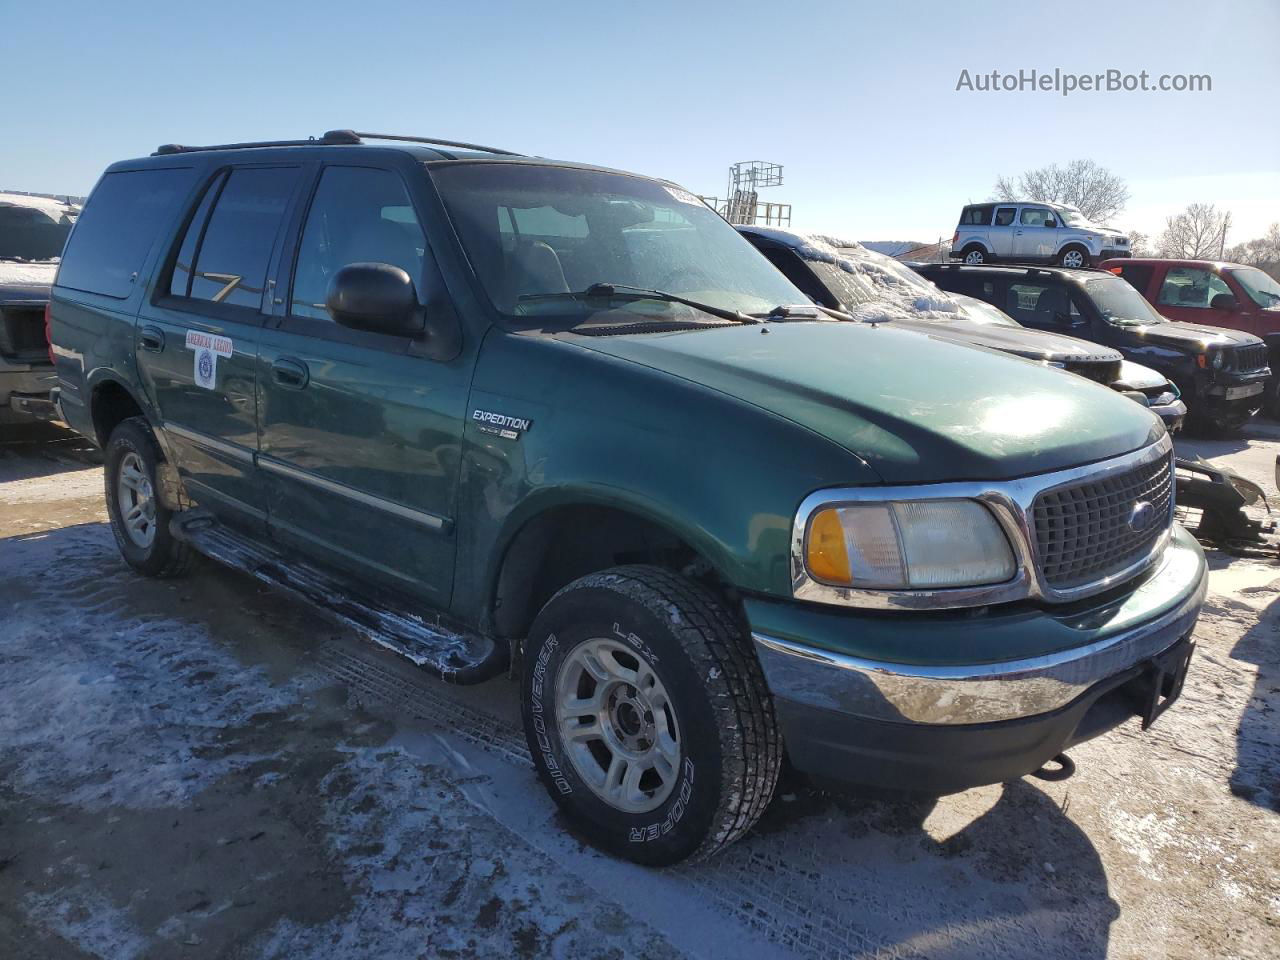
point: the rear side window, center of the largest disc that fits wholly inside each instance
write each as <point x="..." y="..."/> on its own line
<point x="977" y="216"/>
<point x="121" y="220"/>
<point x="1138" y="274"/>
<point x="224" y="255"/>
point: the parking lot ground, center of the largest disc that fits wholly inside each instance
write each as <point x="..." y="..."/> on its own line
<point x="204" y="768"/>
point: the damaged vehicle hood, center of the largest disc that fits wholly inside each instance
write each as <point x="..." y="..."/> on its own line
<point x="1032" y="344"/>
<point x="916" y="408"/>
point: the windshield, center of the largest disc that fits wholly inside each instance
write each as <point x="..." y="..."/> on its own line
<point x="32" y="233"/>
<point x="1072" y="217"/>
<point x="1262" y="289"/>
<point x="1121" y="304"/>
<point x="536" y="234"/>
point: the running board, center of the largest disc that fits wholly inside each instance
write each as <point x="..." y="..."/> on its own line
<point x="455" y="656"/>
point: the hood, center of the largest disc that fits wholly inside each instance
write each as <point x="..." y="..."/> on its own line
<point x="1134" y="376"/>
<point x="1031" y="344"/>
<point x="916" y="408"/>
<point x="26" y="281"/>
<point x="1190" y="336"/>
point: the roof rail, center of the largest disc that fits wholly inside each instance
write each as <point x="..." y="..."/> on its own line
<point x="330" y="138"/>
<point x="427" y="140"/>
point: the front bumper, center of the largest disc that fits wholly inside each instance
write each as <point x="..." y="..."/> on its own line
<point x="948" y="726"/>
<point x="1112" y="253"/>
<point x="1233" y="398"/>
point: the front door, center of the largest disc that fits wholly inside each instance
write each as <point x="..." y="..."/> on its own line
<point x="360" y="435"/>
<point x="197" y="339"/>
<point x="1188" y="294"/>
<point x="1034" y="239"/>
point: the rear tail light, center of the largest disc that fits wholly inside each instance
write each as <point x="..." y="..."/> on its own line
<point x="48" y="328"/>
<point x="955" y="238"/>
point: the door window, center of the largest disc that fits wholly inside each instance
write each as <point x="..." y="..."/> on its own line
<point x="1138" y="274"/>
<point x="1004" y="216"/>
<point x="231" y="250"/>
<point x="359" y="215"/>
<point x="1034" y="216"/>
<point x="1041" y="305"/>
<point x="1191" y="287"/>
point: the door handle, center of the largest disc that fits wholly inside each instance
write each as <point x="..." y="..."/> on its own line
<point x="290" y="374"/>
<point x="151" y="338"/>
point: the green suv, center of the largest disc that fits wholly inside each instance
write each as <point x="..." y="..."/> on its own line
<point x="504" y="413"/>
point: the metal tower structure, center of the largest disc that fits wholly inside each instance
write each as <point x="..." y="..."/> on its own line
<point x="742" y="203"/>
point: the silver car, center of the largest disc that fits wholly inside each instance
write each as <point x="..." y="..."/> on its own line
<point x="1033" y="232"/>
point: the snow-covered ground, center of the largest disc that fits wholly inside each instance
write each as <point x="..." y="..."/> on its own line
<point x="203" y="768"/>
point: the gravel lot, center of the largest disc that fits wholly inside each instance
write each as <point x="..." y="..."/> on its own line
<point x="203" y="768"/>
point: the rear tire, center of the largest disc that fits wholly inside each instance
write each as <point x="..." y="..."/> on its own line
<point x="639" y="669"/>
<point x="139" y="518"/>
<point x="974" y="254"/>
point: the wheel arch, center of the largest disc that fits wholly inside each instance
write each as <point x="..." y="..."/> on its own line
<point x="111" y="400"/>
<point x="553" y="543"/>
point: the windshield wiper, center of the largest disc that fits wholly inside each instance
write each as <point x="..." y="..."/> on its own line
<point x="612" y="290"/>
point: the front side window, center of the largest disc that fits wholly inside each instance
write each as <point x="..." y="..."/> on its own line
<point x="539" y="236"/>
<point x="1034" y="216"/>
<point x="224" y="258"/>
<point x="1004" y="216"/>
<point x="359" y="215"/>
<point x="1040" y="305"/>
<point x="1191" y="287"/>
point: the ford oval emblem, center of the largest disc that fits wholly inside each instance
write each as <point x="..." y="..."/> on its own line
<point x="1142" y="517"/>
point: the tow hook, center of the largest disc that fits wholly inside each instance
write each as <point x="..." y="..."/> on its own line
<point x="1064" y="768"/>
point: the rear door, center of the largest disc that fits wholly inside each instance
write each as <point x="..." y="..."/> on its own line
<point x="198" y="335"/>
<point x="1002" y="231"/>
<point x="360" y="434"/>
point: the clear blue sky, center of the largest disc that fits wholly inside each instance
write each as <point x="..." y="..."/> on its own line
<point x="857" y="100"/>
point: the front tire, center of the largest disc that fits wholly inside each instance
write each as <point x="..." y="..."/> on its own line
<point x="139" y="518"/>
<point x="648" y="716"/>
<point x="1074" y="257"/>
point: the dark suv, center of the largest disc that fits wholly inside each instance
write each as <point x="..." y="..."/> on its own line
<point x="487" y="407"/>
<point x="1220" y="373"/>
<point x="32" y="233"/>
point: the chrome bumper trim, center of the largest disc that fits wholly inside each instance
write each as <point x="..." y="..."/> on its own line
<point x="988" y="692"/>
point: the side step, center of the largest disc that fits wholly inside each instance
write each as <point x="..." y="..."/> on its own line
<point x="456" y="656"/>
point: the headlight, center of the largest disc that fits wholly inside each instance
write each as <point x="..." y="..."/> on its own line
<point x="1218" y="358"/>
<point x="925" y="544"/>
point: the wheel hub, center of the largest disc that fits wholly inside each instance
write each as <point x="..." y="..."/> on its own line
<point x="618" y="725"/>
<point x="136" y="498"/>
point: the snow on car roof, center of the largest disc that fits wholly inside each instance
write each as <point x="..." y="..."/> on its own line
<point x="54" y="208"/>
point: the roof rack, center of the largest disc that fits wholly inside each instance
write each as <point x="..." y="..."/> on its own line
<point x="330" y="138"/>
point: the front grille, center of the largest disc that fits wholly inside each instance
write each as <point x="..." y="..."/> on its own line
<point x="1250" y="356"/>
<point x="1083" y="532"/>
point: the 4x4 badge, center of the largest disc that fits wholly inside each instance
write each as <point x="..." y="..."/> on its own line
<point x="500" y="425"/>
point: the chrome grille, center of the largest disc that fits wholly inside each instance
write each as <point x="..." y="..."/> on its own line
<point x="1083" y="531"/>
<point x="1250" y="356"/>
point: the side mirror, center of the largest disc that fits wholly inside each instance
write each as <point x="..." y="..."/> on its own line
<point x="1050" y="222"/>
<point x="1223" y="301"/>
<point x="376" y="297"/>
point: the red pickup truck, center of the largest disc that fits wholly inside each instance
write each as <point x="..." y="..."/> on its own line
<point x="1213" y="293"/>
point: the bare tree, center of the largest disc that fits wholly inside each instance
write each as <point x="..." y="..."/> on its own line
<point x="1197" y="233"/>
<point x="1095" y="191"/>
<point x="1263" y="251"/>
<point x="1140" y="244"/>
